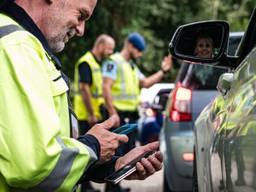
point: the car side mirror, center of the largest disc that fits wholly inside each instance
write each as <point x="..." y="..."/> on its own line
<point x="203" y="42"/>
<point x="224" y="83"/>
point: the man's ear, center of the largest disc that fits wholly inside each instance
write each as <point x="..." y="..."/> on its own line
<point x="129" y="45"/>
<point x="101" y="46"/>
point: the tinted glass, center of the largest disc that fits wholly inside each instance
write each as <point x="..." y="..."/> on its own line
<point x="233" y="44"/>
<point x="202" y="77"/>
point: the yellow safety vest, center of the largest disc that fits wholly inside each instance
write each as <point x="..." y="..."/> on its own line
<point x="96" y="88"/>
<point x="125" y="90"/>
<point x="36" y="151"/>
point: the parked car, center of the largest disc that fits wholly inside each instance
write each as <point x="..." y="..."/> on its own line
<point x="151" y="111"/>
<point x="195" y="88"/>
<point x="148" y="95"/>
<point x="225" y="131"/>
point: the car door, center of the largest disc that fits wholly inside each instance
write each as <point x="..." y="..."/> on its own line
<point x="239" y="143"/>
<point x="217" y="118"/>
<point x="210" y="136"/>
<point x="209" y="141"/>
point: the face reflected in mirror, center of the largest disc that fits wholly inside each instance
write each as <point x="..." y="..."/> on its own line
<point x="202" y="42"/>
<point x="204" y="47"/>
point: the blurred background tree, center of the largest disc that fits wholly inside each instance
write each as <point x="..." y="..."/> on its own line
<point x="157" y="21"/>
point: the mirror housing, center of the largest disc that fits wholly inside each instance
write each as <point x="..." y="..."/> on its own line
<point x="224" y="83"/>
<point x="201" y="42"/>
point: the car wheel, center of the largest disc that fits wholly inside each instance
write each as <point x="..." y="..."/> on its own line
<point x="195" y="183"/>
<point x="166" y="186"/>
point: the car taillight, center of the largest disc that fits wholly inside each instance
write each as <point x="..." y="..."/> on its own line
<point x="180" y="108"/>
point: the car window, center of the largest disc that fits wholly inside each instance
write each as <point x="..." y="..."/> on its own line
<point x="233" y="44"/>
<point x="203" y="77"/>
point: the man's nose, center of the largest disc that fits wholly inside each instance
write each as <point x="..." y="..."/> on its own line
<point x="80" y="28"/>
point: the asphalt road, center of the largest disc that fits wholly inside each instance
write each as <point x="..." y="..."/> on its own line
<point x="153" y="183"/>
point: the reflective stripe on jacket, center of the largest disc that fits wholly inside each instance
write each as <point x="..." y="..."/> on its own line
<point x="125" y="90"/>
<point x="36" y="153"/>
<point x="96" y="88"/>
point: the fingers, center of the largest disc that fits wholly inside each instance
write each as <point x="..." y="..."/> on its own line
<point x="117" y="124"/>
<point x="108" y="140"/>
<point x="141" y="171"/>
<point x="154" y="146"/>
<point x="167" y="62"/>
<point x="156" y="161"/>
<point x="109" y="123"/>
<point x="122" y="138"/>
<point x="117" y="120"/>
<point x="150" y="165"/>
<point x="169" y="57"/>
<point x="112" y="142"/>
<point x="115" y="117"/>
<point x="159" y="156"/>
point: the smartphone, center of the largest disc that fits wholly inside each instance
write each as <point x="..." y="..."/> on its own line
<point x="125" y="129"/>
<point x="127" y="170"/>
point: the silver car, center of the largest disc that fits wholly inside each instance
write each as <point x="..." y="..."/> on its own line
<point x="195" y="88"/>
<point x="225" y="131"/>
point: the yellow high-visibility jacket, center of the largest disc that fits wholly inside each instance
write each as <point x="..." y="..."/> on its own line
<point x="96" y="88"/>
<point x="36" y="151"/>
<point x="126" y="89"/>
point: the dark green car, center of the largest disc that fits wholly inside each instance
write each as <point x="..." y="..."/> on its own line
<point x="225" y="131"/>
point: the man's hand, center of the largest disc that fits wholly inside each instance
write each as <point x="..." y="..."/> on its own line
<point x="167" y="63"/>
<point x="109" y="141"/>
<point x="92" y="120"/>
<point x="147" y="166"/>
<point x="117" y="124"/>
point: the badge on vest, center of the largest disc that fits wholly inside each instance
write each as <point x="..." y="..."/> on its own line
<point x="110" y="67"/>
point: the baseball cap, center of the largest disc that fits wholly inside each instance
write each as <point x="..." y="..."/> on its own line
<point x="137" y="40"/>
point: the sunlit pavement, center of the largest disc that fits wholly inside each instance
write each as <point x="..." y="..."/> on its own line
<point x="152" y="184"/>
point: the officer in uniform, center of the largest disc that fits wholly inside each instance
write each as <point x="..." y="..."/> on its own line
<point x="122" y="81"/>
<point x="37" y="152"/>
<point x="88" y="99"/>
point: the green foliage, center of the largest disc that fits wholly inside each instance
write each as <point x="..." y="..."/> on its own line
<point x="236" y="12"/>
<point x="157" y="21"/>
